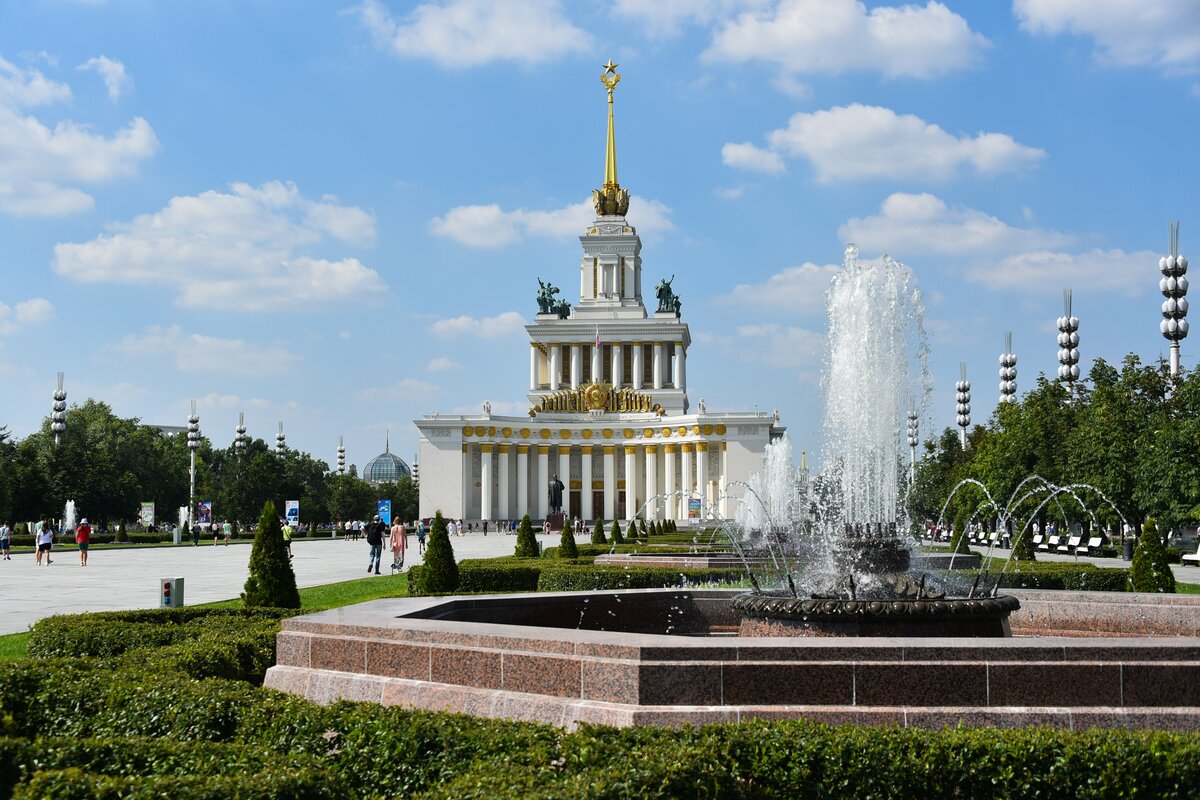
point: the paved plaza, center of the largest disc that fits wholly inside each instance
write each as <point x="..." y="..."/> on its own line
<point x="127" y="578"/>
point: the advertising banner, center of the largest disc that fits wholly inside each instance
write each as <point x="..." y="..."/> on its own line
<point x="146" y="515"/>
<point x="292" y="512"/>
<point x="693" y="508"/>
<point x="385" y="511"/>
<point x="204" y="512"/>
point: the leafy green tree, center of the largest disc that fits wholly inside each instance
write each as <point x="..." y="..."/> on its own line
<point x="566" y="543"/>
<point x="1150" y="571"/>
<point x="271" y="583"/>
<point x="598" y="533"/>
<point x="440" y="572"/>
<point x="615" y="533"/>
<point x="527" y="546"/>
<point x="1167" y="471"/>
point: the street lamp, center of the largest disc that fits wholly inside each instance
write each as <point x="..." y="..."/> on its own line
<point x="1174" y="286"/>
<point x="963" y="399"/>
<point x="280" y="441"/>
<point x="341" y="455"/>
<point x="239" y="441"/>
<point x="1068" y="344"/>
<point x="1008" y="371"/>
<point x="914" y="427"/>
<point x="193" y="441"/>
<point x="58" y="420"/>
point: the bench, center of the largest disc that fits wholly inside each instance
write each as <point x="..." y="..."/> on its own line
<point x="1193" y="556"/>
<point x="1052" y="544"/>
<point x="1037" y="542"/>
<point x="1071" y="546"/>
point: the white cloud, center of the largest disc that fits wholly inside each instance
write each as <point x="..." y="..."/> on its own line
<point x="666" y="17"/>
<point x="794" y="289"/>
<point x="505" y="324"/>
<point x="1155" y="33"/>
<point x="858" y="142"/>
<point x="404" y="389"/>
<point x="27" y="312"/>
<point x="442" y="365"/>
<point x="921" y="223"/>
<point x="730" y="192"/>
<point x="197" y="353"/>
<point x="837" y="36"/>
<point x="38" y="165"/>
<point x="241" y="250"/>
<point x="491" y="226"/>
<point x="755" y="159"/>
<point x="1043" y="270"/>
<point x="773" y="344"/>
<point x="116" y="81"/>
<point x="470" y="33"/>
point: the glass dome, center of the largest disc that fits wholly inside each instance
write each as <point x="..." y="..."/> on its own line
<point x="385" y="468"/>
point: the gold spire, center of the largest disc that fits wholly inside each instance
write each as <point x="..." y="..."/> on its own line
<point x="612" y="199"/>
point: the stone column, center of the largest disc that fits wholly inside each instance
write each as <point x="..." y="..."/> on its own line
<point x="723" y="483"/>
<point x="610" y="482"/>
<point x="533" y="365"/>
<point x="541" y="490"/>
<point x="687" y="478"/>
<point x="651" y="480"/>
<point x="555" y="366"/>
<point x="702" y="476"/>
<point x="635" y="363"/>
<point x="576" y="367"/>
<point x="680" y="379"/>
<point x="564" y="475"/>
<point x="585" y="494"/>
<point x="597" y="365"/>
<point x="618" y="380"/>
<point x="522" y="480"/>
<point x="505" y="467"/>
<point x="631" y="503"/>
<point x="485" y="481"/>
<point x="658" y="365"/>
<point x="669" y="482"/>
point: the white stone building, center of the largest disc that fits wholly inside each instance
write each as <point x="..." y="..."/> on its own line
<point x="609" y="410"/>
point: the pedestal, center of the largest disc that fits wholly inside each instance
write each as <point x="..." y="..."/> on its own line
<point x="556" y="522"/>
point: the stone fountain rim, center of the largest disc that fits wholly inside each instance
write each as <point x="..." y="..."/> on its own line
<point x="768" y="605"/>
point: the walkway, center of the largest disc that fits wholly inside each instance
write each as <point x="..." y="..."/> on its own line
<point x="128" y="578"/>
<point x="1182" y="573"/>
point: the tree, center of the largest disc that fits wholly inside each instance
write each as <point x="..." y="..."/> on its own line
<point x="566" y="544"/>
<point x="958" y="537"/>
<point x="1150" y="571"/>
<point x="598" y="533"/>
<point x="271" y="583"/>
<point x="527" y="546"/>
<point x="439" y="575"/>
<point x="616" y="536"/>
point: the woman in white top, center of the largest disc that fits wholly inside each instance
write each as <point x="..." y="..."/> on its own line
<point x="44" y="538"/>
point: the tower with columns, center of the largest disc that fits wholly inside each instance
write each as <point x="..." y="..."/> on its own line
<point x="609" y="413"/>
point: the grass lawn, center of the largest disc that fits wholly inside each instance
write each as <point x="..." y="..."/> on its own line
<point x="1187" y="588"/>
<point x="12" y="646"/>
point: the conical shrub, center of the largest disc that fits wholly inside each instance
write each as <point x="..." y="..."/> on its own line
<point x="1023" y="549"/>
<point x="271" y="583"/>
<point x="439" y="575"/>
<point x="615" y="533"/>
<point x="566" y="543"/>
<point x="958" y="538"/>
<point x="598" y="533"/>
<point x="527" y="546"/>
<point x="1150" y="571"/>
<point x="645" y="530"/>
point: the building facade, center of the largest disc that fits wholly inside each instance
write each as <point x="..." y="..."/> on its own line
<point x="609" y="413"/>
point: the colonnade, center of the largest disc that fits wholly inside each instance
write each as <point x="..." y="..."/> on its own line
<point x="548" y="358"/>
<point x="597" y="478"/>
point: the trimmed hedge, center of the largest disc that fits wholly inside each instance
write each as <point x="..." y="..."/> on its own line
<point x="584" y="577"/>
<point x="487" y="575"/>
<point x="1079" y="576"/>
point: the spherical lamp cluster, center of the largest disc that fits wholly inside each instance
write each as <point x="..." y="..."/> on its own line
<point x="193" y="430"/>
<point x="1174" y="286"/>
<point x="239" y="441"/>
<point x="1008" y="371"/>
<point x="1068" y="342"/>
<point x="280" y="441"/>
<point x="914" y="428"/>
<point x="58" y="420"/>
<point x="341" y="455"/>
<point x="962" y="399"/>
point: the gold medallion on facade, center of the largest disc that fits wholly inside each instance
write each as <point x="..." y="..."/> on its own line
<point x="544" y="433"/>
<point x="507" y="432"/>
<point x="480" y="430"/>
<point x="467" y="431"/>
<point x="586" y="434"/>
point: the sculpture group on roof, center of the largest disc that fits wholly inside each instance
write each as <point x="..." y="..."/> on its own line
<point x="547" y="304"/>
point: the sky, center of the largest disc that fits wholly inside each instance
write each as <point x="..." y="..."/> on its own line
<point x="334" y="214"/>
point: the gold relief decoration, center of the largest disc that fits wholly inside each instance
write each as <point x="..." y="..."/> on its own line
<point x="491" y="431"/>
<point x="507" y="432"/>
<point x="630" y="450"/>
<point x="668" y="448"/>
<point x="686" y="447"/>
<point x="543" y="449"/>
<point x="707" y="430"/>
<point x="486" y="448"/>
<point x="608" y="433"/>
<point x="701" y="447"/>
<point x="610" y="449"/>
<point x="666" y="433"/>
<point x="524" y="433"/>
<point x="544" y="433"/>
<point x="720" y="430"/>
<point x="522" y="449"/>
<point x="648" y="433"/>
<point x="597" y="396"/>
<point x="467" y="430"/>
<point x="564" y="434"/>
<point x="576" y="485"/>
<point x="597" y="485"/>
<point x="480" y="430"/>
<point x="682" y="431"/>
<point x="586" y="434"/>
<point x="504" y="448"/>
<point x="696" y="430"/>
<point x="629" y="433"/>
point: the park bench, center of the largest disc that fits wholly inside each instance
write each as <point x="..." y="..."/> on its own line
<point x="1037" y="541"/>
<point x="1051" y="544"/>
<point x="1193" y="556"/>
<point x="1093" y="545"/>
<point x="1071" y="546"/>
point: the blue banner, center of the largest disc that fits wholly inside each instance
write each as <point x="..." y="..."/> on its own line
<point x="385" y="511"/>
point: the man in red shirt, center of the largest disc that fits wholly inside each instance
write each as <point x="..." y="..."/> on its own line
<point x="83" y="537"/>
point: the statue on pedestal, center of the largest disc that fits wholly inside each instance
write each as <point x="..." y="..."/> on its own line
<point x="555" y="494"/>
<point x="545" y="298"/>
<point x="668" y="301"/>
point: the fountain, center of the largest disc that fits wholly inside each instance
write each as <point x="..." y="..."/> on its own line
<point x="69" y="516"/>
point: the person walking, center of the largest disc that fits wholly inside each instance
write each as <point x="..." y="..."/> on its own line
<point x="287" y="536"/>
<point x="43" y="539"/>
<point x="5" y="540"/>
<point x="452" y="528"/>
<point x="375" y="532"/>
<point x="227" y="530"/>
<point x="83" y="537"/>
<point x="421" y="536"/>
<point x="399" y="542"/>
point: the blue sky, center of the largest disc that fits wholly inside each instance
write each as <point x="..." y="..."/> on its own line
<point x="334" y="214"/>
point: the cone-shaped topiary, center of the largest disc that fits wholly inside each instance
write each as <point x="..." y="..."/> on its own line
<point x="645" y="530"/>
<point x="615" y="533"/>
<point x="1023" y="549"/>
<point x="271" y="584"/>
<point x="598" y="533"/>
<point x="566" y="544"/>
<point x="1149" y="571"/>
<point x="527" y="546"/>
<point x="440" y="573"/>
<point x="958" y="538"/>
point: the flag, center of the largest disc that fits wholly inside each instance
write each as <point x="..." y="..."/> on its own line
<point x="597" y="336"/>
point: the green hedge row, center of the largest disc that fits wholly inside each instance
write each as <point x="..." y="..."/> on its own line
<point x="1078" y="576"/>
<point x="481" y="576"/>
<point x="371" y="751"/>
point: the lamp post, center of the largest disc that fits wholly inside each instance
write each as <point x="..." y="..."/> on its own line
<point x="58" y="420"/>
<point x="1174" y="286"/>
<point x="1068" y="344"/>
<point x="280" y="441"/>
<point x="193" y="441"/>
<point x="962" y="398"/>
<point x="239" y="450"/>
<point x="914" y="427"/>
<point x="1008" y="371"/>
<point x="341" y="455"/>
